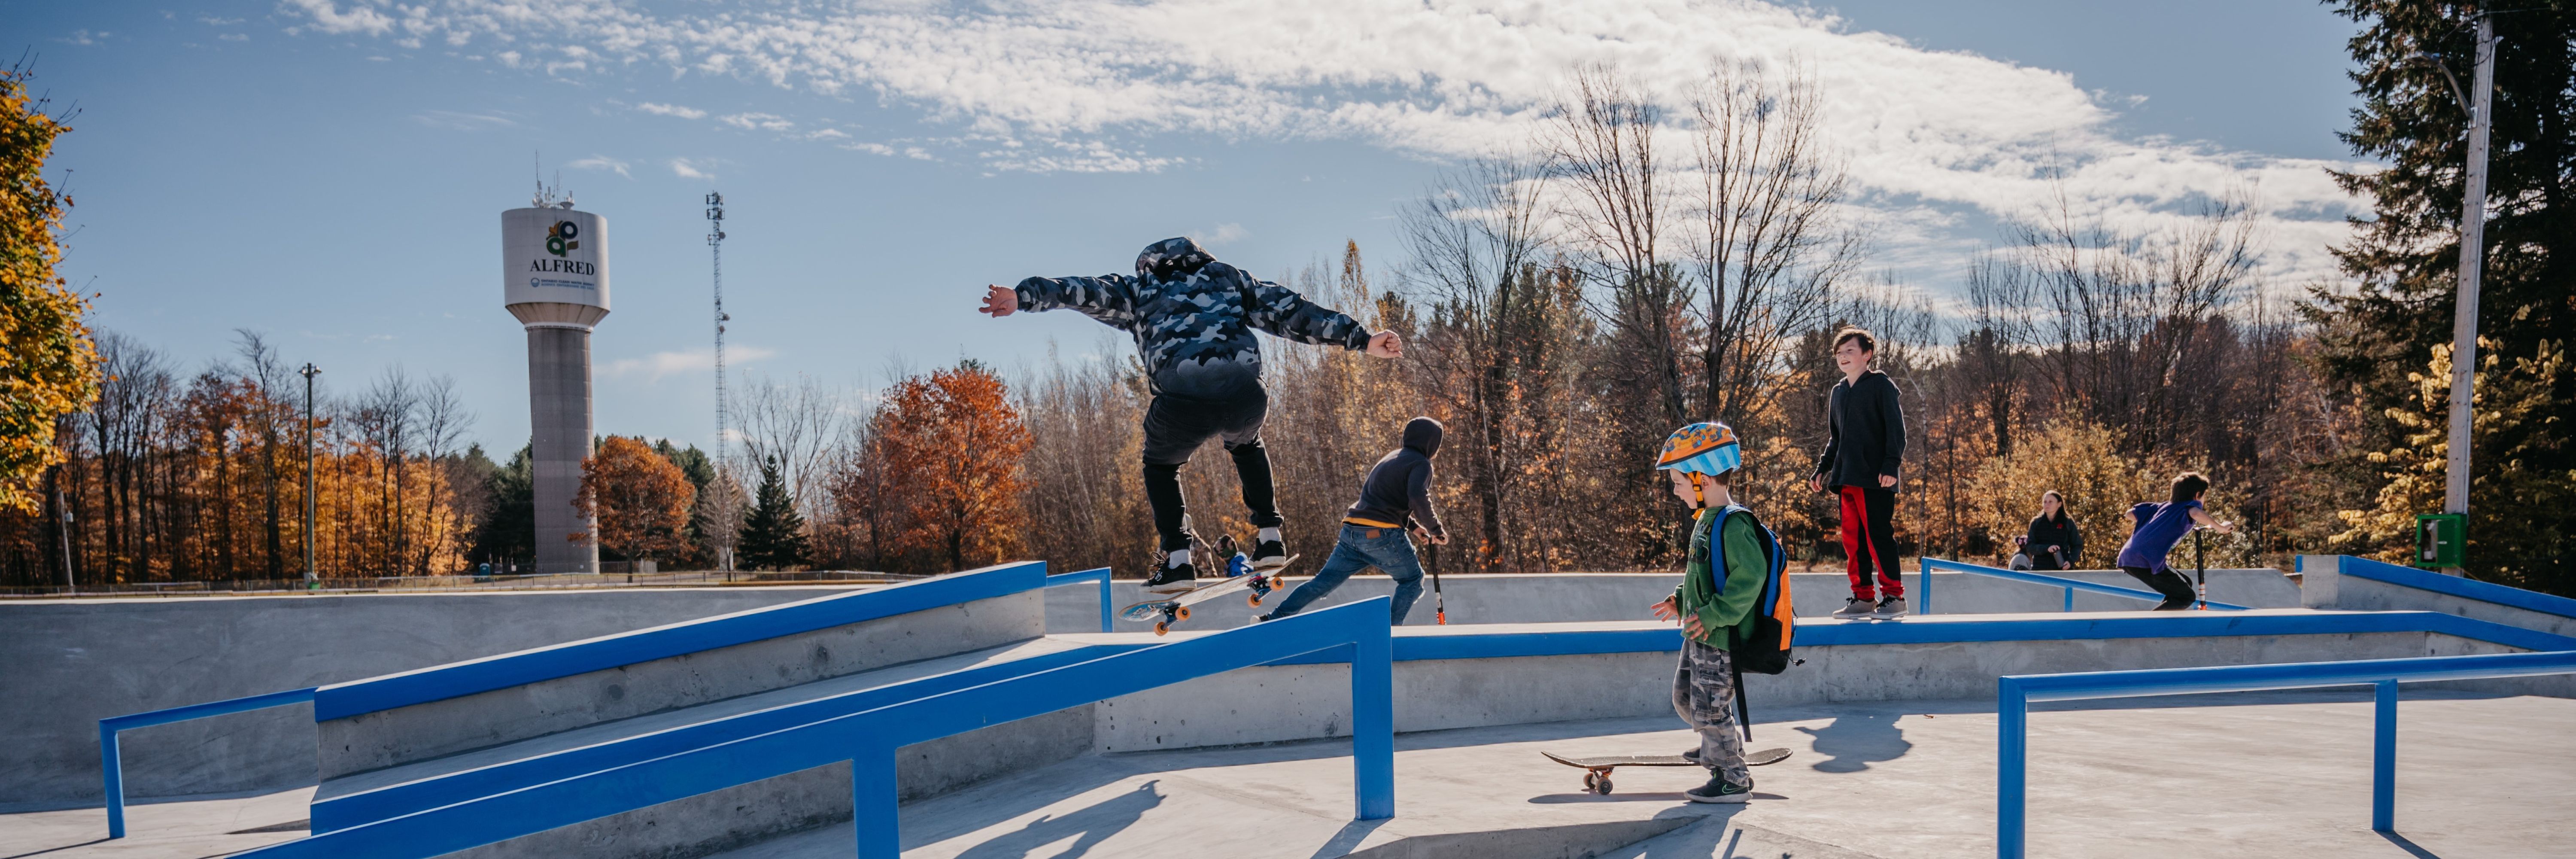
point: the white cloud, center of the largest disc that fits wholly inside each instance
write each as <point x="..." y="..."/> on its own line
<point x="672" y="110"/>
<point x="1221" y="234"/>
<point x="687" y="169"/>
<point x="84" y="37"/>
<point x="219" y="22"/>
<point x="759" y="121"/>
<point x="661" y="364"/>
<point x="1095" y="85"/>
<point x="601" y="162"/>
<point x="463" y="121"/>
<point x="233" y="37"/>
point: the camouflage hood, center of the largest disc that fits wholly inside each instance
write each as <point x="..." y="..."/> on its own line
<point x="1192" y="317"/>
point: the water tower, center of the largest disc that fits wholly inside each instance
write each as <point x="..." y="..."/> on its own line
<point x="554" y="278"/>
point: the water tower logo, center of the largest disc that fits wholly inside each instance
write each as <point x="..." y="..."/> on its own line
<point x="560" y="237"/>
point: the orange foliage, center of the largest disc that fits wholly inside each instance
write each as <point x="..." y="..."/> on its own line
<point x="640" y="500"/>
<point x="949" y="447"/>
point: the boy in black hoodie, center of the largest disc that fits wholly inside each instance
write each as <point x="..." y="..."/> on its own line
<point x="1866" y="444"/>
<point x="1395" y="498"/>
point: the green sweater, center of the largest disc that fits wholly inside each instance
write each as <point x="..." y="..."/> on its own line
<point x="1732" y="607"/>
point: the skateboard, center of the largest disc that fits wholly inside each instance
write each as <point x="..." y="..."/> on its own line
<point x="1169" y="609"/>
<point x="1596" y="777"/>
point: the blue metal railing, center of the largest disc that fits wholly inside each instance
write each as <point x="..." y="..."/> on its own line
<point x="108" y="759"/>
<point x="1923" y="588"/>
<point x="868" y="740"/>
<point x="2014" y="694"/>
<point x="1108" y="609"/>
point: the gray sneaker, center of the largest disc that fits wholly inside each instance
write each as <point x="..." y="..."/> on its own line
<point x="1718" y="789"/>
<point x="1890" y="608"/>
<point x="1856" y="609"/>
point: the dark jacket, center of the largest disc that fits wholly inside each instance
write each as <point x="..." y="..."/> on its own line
<point x="1193" y="317"/>
<point x="2046" y="532"/>
<point x="1868" y="432"/>
<point x="1398" y="488"/>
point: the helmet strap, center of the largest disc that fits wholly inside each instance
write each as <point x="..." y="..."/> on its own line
<point x="1699" y="491"/>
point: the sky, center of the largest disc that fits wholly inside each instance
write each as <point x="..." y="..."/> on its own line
<point x="329" y="173"/>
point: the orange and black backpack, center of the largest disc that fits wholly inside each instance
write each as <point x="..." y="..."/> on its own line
<point x="1765" y="650"/>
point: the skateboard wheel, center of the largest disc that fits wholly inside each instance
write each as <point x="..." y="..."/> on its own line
<point x="1253" y="600"/>
<point x="1161" y="627"/>
<point x="1603" y="788"/>
<point x="1592" y="781"/>
<point x="1182" y="613"/>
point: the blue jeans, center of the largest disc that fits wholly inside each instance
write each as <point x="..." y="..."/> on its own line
<point x="1390" y="550"/>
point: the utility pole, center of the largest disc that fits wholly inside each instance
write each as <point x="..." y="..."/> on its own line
<point x="309" y="371"/>
<point x="2464" y="319"/>
<point x="65" y="508"/>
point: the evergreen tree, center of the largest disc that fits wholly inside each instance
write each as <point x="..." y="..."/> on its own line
<point x="2376" y="337"/>
<point x="509" y="528"/>
<point x="773" y="536"/>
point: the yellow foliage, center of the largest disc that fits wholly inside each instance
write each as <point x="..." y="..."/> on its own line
<point x="2081" y="460"/>
<point x="48" y="366"/>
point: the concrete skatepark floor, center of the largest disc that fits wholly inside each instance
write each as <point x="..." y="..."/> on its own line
<point x="2253" y="775"/>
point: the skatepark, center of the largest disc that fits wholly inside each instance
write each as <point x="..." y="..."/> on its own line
<point x="985" y="713"/>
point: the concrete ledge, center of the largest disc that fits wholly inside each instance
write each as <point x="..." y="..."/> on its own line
<point x="401" y="735"/>
<point x="2343" y="582"/>
<point x="74" y="662"/>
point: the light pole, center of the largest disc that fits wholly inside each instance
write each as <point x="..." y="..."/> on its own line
<point x="65" y="508"/>
<point x="2464" y="313"/>
<point x="308" y="371"/>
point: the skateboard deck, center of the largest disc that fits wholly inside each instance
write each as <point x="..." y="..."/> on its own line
<point x="1167" y="609"/>
<point x="1596" y="776"/>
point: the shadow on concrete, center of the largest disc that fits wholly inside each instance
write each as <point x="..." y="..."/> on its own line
<point x="1094" y="825"/>
<point x="1852" y="741"/>
<point x="52" y="849"/>
<point x="2409" y="846"/>
<point x="1670" y="796"/>
<point x="1347" y="840"/>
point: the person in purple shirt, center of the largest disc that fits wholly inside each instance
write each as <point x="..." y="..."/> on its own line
<point x="2154" y="529"/>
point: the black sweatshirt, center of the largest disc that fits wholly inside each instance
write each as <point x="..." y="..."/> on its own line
<point x="1398" y="488"/>
<point x="2046" y="532"/>
<point x="1868" y="432"/>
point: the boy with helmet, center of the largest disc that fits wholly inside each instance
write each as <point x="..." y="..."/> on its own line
<point x="1720" y="584"/>
<point x="1192" y="318"/>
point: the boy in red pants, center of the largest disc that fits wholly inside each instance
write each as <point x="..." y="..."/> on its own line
<point x="1860" y="464"/>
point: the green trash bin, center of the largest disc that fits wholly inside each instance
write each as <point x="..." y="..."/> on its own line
<point x="2441" y="540"/>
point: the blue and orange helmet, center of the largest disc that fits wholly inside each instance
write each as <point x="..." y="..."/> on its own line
<point x="1701" y="448"/>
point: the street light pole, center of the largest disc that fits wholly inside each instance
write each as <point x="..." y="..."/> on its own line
<point x="65" y="529"/>
<point x="309" y="371"/>
<point x="2464" y="319"/>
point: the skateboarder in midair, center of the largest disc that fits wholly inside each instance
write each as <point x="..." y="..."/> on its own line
<point x="1192" y="318"/>
<point x="1721" y="583"/>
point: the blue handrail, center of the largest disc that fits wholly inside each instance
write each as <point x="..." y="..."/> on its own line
<point x="1108" y="611"/>
<point x="2014" y="694"/>
<point x="2071" y="585"/>
<point x="869" y="739"/>
<point x="114" y="768"/>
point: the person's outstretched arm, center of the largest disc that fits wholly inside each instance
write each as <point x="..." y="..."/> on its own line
<point x="1286" y="313"/>
<point x="1109" y="298"/>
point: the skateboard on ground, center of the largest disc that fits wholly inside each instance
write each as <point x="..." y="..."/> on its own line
<point x="1596" y="777"/>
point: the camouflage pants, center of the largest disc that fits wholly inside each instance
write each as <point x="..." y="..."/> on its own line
<point x="1704" y="696"/>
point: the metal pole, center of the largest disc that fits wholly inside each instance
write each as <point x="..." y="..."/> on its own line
<point x="2383" y="758"/>
<point x="2464" y="318"/>
<point x="2012" y="729"/>
<point x="63" y="507"/>
<point x="309" y="371"/>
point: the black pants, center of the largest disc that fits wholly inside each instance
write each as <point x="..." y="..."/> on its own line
<point x="2176" y="588"/>
<point x="1176" y="426"/>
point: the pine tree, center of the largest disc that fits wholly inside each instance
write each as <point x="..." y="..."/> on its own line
<point x="773" y="537"/>
<point x="2377" y="333"/>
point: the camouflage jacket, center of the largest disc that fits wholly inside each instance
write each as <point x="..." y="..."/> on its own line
<point x="1193" y="317"/>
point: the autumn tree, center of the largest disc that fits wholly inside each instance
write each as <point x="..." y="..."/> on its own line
<point x="640" y="500"/>
<point x="48" y="365"/>
<point x="951" y="444"/>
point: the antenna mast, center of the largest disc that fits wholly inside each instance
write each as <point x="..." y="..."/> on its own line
<point x="715" y="249"/>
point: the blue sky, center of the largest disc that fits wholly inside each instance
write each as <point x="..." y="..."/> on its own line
<point x="331" y="173"/>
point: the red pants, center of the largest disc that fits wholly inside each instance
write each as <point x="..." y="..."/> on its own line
<point x="1869" y="542"/>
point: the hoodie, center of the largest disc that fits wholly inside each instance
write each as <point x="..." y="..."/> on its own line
<point x="1398" y="489"/>
<point x="1192" y="317"/>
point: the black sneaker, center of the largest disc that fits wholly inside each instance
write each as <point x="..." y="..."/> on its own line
<point x="1173" y="579"/>
<point x="1718" y="789"/>
<point x="1269" y="555"/>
